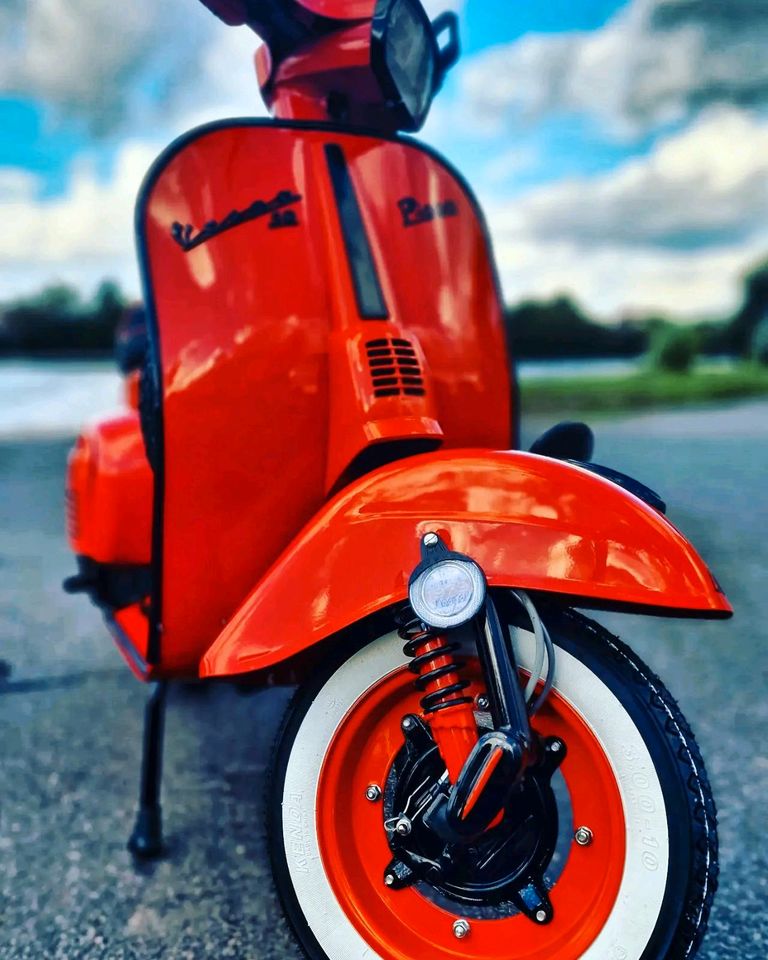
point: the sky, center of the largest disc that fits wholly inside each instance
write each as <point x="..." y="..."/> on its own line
<point x="618" y="147"/>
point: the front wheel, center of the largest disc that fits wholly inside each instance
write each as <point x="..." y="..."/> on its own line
<point x="634" y="867"/>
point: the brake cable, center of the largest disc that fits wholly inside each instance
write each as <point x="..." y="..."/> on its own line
<point x="545" y="649"/>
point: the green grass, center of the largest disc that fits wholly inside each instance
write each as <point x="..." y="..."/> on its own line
<point x="642" y="390"/>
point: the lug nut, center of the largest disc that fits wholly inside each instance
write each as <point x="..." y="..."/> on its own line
<point x="430" y="539"/>
<point x="373" y="792"/>
<point x="541" y="916"/>
<point x="403" y="827"/>
<point x="583" y="836"/>
<point x="461" y="929"/>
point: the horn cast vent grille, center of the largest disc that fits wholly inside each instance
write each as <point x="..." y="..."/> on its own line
<point x="395" y="368"/>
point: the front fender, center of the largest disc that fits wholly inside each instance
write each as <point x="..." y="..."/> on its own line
<point x="529" y="521"/>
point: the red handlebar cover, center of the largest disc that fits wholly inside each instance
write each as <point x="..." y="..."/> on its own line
<point x="237" y="12"/>
<point x="341" y="9"/>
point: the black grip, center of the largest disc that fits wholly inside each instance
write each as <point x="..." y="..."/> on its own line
<point x="232" y="12"/>
<point x="448" y="52"/>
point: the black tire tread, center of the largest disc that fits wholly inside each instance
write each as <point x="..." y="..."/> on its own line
<point x="705" y="868"/>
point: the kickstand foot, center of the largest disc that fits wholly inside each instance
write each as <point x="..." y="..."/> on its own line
<point x="146" y="841"/>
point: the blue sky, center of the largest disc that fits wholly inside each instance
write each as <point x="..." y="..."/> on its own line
<point x="620" y="147"/>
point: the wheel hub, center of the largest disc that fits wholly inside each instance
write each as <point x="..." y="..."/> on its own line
<point x="503" y="869"/>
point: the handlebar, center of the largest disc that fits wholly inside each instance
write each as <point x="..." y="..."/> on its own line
<point x="284" y="24"/>
<point x="402" y="40"/>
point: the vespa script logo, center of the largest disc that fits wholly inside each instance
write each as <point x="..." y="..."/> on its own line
<point x="187" y="239"/>
<point x="415" y="213"/>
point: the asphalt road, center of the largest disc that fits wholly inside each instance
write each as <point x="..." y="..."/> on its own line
<point x="70" y="719"/>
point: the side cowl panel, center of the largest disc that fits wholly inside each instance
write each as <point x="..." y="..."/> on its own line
<point x="529" y="521"/>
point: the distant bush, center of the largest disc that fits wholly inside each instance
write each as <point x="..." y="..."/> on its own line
<point x="742" y="328"/>
<point x="760" y="342"/>
<point x="57" y="321"/>
<point x="673" y="348"/>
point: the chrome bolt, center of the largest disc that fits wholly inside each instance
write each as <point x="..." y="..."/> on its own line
<point x="403" y="827"/>
<point x="482" y="702"/>
<point x="541" y="916"/>
<point x="389" y="879"/>
<point x="555" y="746"/>
<point x="430" y="539"/>
<point x="461" y="929"/>
<point x="407" y="723"/>
<point x="583" y="836"/>
<point x="373" y="792"/>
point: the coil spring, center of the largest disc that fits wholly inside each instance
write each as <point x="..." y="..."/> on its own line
<point x="416" y="634"/>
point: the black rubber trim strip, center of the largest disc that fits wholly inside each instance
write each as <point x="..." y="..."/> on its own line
<point x="581" y="602"/>
<point x="153" y="174"/>
<point x="122" y="639"/>
<point x="370" y="299"/>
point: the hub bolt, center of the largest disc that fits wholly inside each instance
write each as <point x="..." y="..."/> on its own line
<point x="583" y="836"/>
<point x="373" y="792"/>
<point x="541" y="916"/>
<point x="429" y="539"/>
<point x="461" y="929"/>
<point x="403" y="827"/>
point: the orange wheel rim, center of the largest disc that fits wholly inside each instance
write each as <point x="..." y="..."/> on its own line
<point x="404" y="924"/>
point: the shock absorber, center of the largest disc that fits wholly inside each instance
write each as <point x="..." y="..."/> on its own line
<point x="448" y="711"/>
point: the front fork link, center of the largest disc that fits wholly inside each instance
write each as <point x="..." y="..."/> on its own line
<point x="483" y="772"/>
<point x="481" y="775"/>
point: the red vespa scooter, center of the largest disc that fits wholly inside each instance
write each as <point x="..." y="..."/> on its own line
<point x="320" y="486"/>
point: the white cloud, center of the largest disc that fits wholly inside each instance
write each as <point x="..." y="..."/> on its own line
<point x="83" y="56"/>
<point x="17" y="184"/>
<point x="125" y="64"/>
<point x="671" y="231"/>
<point x="707" y="185"/>
<point x="656" y="61"/>
<point x="503" y="167"/>
<point x="226" y="84"/>
<point x="619" y="282"/>
<point x="119" y="64"/>
<point x="80" y="237"/>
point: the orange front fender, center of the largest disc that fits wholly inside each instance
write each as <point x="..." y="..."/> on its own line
<point x="529" y="521"/>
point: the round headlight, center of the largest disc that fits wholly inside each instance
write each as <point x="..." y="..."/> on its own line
<point x="448" y="593"/>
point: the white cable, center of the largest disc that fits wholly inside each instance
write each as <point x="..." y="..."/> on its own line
<point x="544" y="649"/>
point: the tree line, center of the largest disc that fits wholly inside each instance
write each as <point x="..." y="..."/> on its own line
<point x="559" y="328"/>
<point x="58" y="321"/>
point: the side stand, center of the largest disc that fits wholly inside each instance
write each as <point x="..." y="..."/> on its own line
<point x="146" y="841"/>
